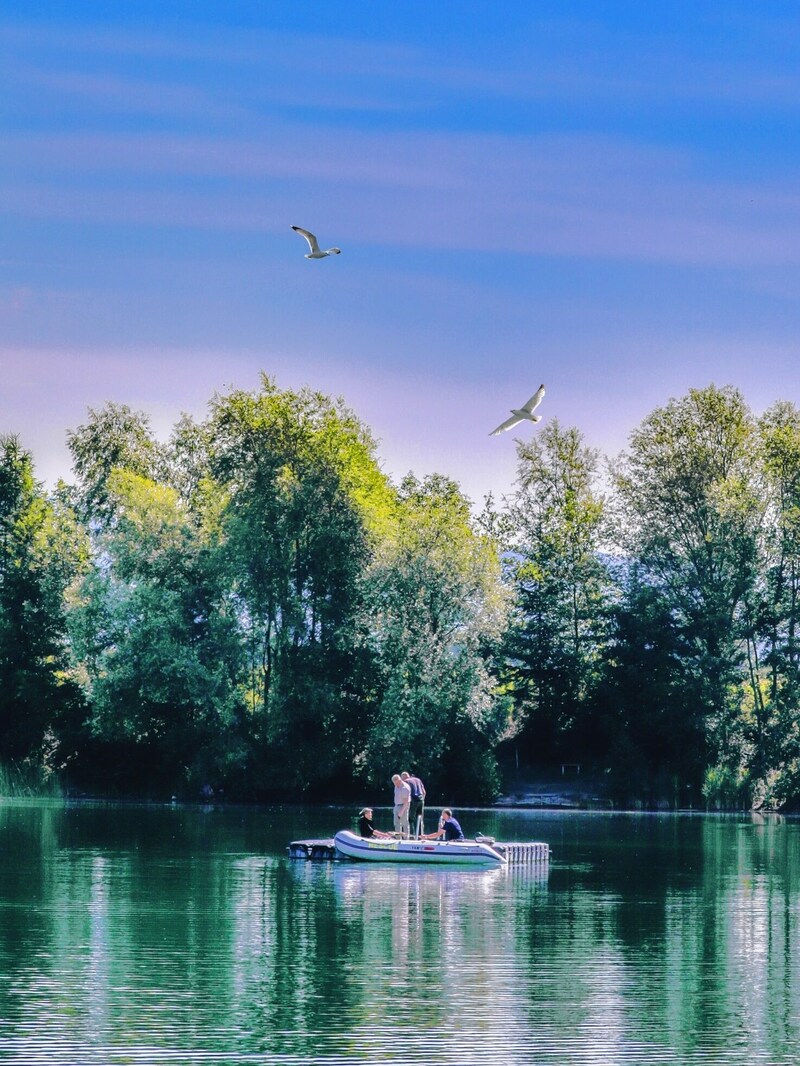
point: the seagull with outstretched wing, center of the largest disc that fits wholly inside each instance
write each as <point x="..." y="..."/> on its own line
<point x="521" y="414"/>
<point x="315" y="252"/>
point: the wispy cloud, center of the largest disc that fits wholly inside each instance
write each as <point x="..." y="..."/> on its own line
<point x="284" y="151"/>
<point x="202" y="43"/>
<point x="585" y="196"/>
<point x="113" y="94"/>
<point x="565" y="59"/>
<point x="609" y="204"/>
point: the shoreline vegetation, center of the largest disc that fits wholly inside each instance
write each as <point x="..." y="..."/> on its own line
<point x="253" y="607"/>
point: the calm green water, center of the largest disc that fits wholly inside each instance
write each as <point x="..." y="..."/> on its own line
<point x="171" y="935"/>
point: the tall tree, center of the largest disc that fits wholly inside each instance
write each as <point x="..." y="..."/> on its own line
<point x="41" y="550"/>
<point x="113" y="438"/>
<point x="155" y="632"/>
<point x="562" y="590"/>
<point x="436" y="604"/>
<point x="772" y="720"/>
<point x="653" y="737"/>
<point x="691" y="515"/>
<point x="305" y="497"/>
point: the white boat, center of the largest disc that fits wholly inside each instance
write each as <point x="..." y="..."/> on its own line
<point x="382" y="849"/>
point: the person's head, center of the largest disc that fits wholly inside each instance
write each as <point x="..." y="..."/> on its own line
<point x="366" y="812"/>
<point x="396" y="778"/>
<point x="447" y="813"/>
<point x="405" y="775"/>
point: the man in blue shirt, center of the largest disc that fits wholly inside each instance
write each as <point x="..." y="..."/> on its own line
<point x="448" y="828"/>
<point x="416" y="809"/>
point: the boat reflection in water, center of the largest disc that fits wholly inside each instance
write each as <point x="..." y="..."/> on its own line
<point x="414" y="908"/>
<point x="419" y="933"/>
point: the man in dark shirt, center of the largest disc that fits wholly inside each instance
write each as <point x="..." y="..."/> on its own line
<point x="365" y="827"/>
<point x="448" y="828"/>
<point x="416" y="810"/>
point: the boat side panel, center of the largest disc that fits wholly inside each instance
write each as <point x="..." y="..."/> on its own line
<point x="411" y="851"/>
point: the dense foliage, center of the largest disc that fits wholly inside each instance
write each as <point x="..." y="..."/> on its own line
<point x="254" y="607"/>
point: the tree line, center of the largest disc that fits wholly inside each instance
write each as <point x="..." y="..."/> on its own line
<point x="254" y="606"/>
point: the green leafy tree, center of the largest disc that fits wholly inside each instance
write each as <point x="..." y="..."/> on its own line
<point x="436" y="603"/>
<point x="41" y="551"/>
<point x="155" y="632"/>
<point x="305" y="500"/>
<point x="654" y="739"/>
<point x="691" y="515"/>
<point x="555" y="524"/>
<point x="187" y="461"/>
<point x="772" y="714"/>
<point x="113" y="438"/>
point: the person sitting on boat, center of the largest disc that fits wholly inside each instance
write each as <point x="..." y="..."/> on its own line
<point x="365" y="827"/>
<point x="448" y="828"/>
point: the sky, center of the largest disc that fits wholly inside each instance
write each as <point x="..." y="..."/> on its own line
<point x="599" y="196"/>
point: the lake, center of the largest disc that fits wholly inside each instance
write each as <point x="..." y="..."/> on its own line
<point x="148" y="935"/>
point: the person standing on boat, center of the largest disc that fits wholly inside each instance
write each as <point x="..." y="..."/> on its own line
<point x="416" y="809"/>
<point x="402" y="801"/>
<point x="365" y="827"/>
<point x="448" y="828"/>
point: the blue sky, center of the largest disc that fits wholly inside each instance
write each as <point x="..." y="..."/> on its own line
<point x="603" y="197"/>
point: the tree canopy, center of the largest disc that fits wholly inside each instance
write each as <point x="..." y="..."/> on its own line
<point x="254" y="607"/>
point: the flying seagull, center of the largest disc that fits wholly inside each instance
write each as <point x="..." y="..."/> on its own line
<point x="519" y="414"/>
<point x="315" y="251"/>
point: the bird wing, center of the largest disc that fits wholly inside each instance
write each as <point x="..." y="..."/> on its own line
<point x="508" y="424"/>
<point x="535" y="400"/>
<point x="312" y="240"/>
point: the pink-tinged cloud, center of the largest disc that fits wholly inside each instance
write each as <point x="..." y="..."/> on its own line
<point x="416" y="431"/>
<point x="429" y="419"/>
<point x="14" y="301"/>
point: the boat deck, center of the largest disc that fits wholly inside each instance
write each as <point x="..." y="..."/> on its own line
<point x="518" y="853"/>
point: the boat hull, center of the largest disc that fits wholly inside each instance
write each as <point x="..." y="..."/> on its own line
<point x="433" y="852"/>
